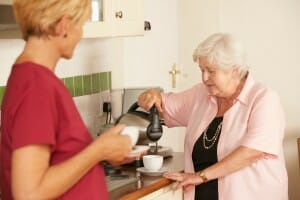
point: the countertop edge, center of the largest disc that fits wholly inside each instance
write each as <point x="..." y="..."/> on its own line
<point x="162" y="182"/>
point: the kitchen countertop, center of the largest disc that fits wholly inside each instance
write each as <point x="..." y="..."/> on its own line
<point x="146" y="184"/>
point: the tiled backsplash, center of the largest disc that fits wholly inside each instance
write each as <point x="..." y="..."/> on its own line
<point x="2" y="89"/>
<point x="82" y="85"/>
<point x="88" y="84"/>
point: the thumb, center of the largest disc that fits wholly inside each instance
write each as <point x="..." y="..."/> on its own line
<point x="116" y="129"/>
<point x="159" y="107"/>
<point x="188" y="188"/>
<point x="182" y="184"/>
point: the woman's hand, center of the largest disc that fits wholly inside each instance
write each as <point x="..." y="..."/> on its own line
<point x="149" y="98"/>
<point x="185" y="180"/>
<point x="128" y="159"/>
<point x="114" y="147"/>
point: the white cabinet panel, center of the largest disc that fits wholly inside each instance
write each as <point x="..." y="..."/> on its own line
<point x="120" y="18"/>
<point x="165" y="193"/>
<point x="6" y="2"/>
<point x="127" y="17"/>
<point x="103" y="27"/>
<point x="115" y="18"/>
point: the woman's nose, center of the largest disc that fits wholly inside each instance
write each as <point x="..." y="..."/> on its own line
<point x="205" y="76"/>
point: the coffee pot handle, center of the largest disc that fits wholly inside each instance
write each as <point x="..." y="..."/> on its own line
<point x="154" y="129"/>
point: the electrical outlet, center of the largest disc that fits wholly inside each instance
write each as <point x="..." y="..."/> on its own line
<point x="106" y="107"/>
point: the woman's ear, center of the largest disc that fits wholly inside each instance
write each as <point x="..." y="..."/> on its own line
<point x="62" y="26"/>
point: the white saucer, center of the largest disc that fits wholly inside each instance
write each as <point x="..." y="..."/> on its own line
<point x="138" y="149"/>
<point x="145" y="171"/>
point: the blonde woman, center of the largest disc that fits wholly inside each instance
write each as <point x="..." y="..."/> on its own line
<point x="46" y="150"/>
<point x="234" y="128"/>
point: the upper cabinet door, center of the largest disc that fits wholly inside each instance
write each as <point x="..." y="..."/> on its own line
<point x="8" y="26"/>
<point x="127" y="17"/>
<point x="109" y="18"/>
<point x="6" y="2"/>
<point x="117" y="18"/>
<point x="99" y="24"/>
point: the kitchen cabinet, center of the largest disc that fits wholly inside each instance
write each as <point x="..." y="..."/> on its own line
<point x="127" y="17"/>
<point x="6" y="2"/>
<point x="110" y="18"/>
<point x="164" y="193"/>
<point x="99" y="25"/>
<point x="118" y="18"/>
<point x="8" y="27"/>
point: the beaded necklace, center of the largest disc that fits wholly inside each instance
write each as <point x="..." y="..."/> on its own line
<point x="213" y="139"/>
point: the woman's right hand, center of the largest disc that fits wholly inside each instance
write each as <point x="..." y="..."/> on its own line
<point x="149" y="98"/>
<point x="114" y="147"/>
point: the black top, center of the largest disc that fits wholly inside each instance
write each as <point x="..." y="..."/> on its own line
<point x="204" y="155"/>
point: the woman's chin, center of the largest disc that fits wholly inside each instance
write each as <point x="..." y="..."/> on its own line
<point x="212" y="91"/>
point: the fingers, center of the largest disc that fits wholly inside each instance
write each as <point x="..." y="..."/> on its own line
<point x="116" y="129"/>
<point x="186" y="185"/>
<point x="149" y="98"/>
<point x="188" y="188"/>
<point x="159" y="107"/>
<point x="125" y="160"/>
<point x="183" y="184"/>
<point x="185" y="180"/>
<point x="174" y="176"/>
<point x="112" y="145"/>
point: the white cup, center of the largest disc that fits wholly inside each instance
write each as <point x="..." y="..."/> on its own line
<point x="153" y="162"/>
<point x="133" y="132"/>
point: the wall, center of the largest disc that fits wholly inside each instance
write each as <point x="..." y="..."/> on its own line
<point x="270" y="29"/>
<point x="91" y="56"/>
<point x="197" y="20"/>
<point x="148" y="59"/>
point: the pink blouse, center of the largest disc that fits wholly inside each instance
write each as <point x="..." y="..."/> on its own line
<point x="255" y="121"/>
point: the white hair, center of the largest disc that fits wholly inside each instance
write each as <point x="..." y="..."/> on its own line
<point x="223" y="51"/>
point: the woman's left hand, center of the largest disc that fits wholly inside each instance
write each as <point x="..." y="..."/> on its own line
<point x="185" y="180"/>
<point x="124" y="161"/>
<point x="129" y="159"/>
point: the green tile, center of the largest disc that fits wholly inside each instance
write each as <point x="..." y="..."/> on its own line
<point x="78" y="86"/>
<point x="109" y="80"/>
<point x="69" y="82"/>
<point x="87" y="84"/>
<point x="104" y="81"/>
<point x="95" y="83"/>
<point x="62" y="80"/>
<point x="2" y="90"/>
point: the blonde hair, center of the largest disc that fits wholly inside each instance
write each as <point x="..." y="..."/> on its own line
<point x="223" y="51"/>
<point x="39" y="17"/>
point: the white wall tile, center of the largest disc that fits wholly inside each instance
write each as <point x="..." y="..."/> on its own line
<point x="9" y="50"/>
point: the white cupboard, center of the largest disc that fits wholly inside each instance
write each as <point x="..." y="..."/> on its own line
<point x="6" y="2"/>
<point x="110" y="18"/>
<point x="164" y="193"/>
<point x="127" y="17"/>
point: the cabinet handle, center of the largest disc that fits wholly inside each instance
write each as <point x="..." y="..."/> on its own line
<point x="119" y="14"/>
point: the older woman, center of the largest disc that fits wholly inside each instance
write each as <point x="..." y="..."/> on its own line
<point x="46" y="150"/>
<point x="234" y="128"/>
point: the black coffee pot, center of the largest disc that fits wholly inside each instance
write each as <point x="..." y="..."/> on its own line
<point x="148" y="120"/>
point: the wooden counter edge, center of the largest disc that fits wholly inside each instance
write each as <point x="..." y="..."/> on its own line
<point x="147" y="190"/>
